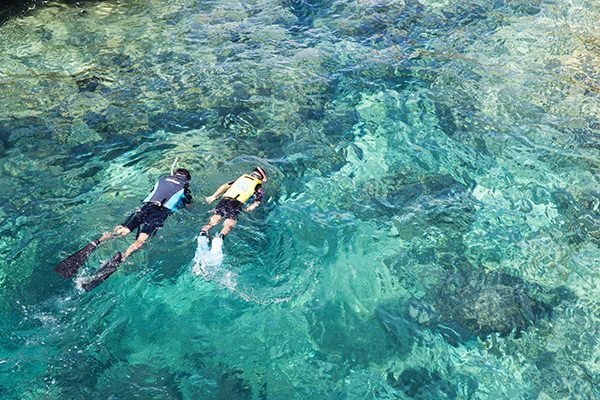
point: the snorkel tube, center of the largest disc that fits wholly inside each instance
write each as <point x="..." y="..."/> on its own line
<point x="174" y="165"/>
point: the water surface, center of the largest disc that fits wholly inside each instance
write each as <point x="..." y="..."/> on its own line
<point x="430" y="228"/>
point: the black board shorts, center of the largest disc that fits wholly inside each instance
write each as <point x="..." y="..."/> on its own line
<point x="150" y="216"/>
<point x="229" y="208"/>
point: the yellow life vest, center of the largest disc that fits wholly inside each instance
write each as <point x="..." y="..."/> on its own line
<point x="243" y="188"/>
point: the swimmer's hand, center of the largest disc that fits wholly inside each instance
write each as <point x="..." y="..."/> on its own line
<point x="252" y="206"/>
<point x="209" y="199"/>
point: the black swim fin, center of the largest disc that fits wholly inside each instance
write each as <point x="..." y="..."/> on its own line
<point x="70" y="265"/>
<point x="103" y="273"/>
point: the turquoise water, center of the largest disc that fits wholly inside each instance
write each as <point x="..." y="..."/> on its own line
<point x="431" y="225"/>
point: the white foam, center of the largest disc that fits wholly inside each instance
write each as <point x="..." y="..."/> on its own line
<point x="216" y="251"/>
<point x="208" y="263"/>
<point x="199" y="258"/>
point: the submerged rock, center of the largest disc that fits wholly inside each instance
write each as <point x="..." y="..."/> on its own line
<point x="372" y="18"/>
<point x="122" y="381"/>
<point x="88" y="84"/>
<point x="581" y="214"/>
<point x="12" y="8"/>
<point x="486" y="303"/>
<point x="470" y="304"/>
<point x="441" y="196"/>
<point x="15" y="7"/>
<point x="420" y="383"/>
<point x="233" y="386"/>
<point x="347" y="337"/>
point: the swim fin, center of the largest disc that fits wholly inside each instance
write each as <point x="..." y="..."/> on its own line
<point x="103" y="273"/>
<point x="70" y="265"/>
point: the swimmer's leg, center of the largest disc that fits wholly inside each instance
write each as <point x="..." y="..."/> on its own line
<point x="110" y="267"/>
<point x="227" y="225"/>
<point x="119" y="231"/>
<point x="139" y="242"/>
<point x="214" y="220"/>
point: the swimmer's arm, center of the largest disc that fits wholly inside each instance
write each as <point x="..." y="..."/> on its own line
<point x="222" y="189"/>
<point x="258" y="196"/>
<point x="252" y="206"/>
<point x="187" y="198"/>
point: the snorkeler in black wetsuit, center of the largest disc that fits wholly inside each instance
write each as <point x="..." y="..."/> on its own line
<point x="170" y="194"/>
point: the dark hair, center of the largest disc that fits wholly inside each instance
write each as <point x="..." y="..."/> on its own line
<point x="261" y="172"/>
<point x="184" y="172"/>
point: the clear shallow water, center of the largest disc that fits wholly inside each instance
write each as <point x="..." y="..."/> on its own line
<point x="430" y="230"/>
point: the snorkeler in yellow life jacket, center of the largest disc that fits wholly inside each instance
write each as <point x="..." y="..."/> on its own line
<point x="244" y="193"/>
<point x="242" y="188"/>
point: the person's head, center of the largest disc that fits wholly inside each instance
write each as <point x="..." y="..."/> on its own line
<point x="183" y="172"/>
<point x="259" y="173"/>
